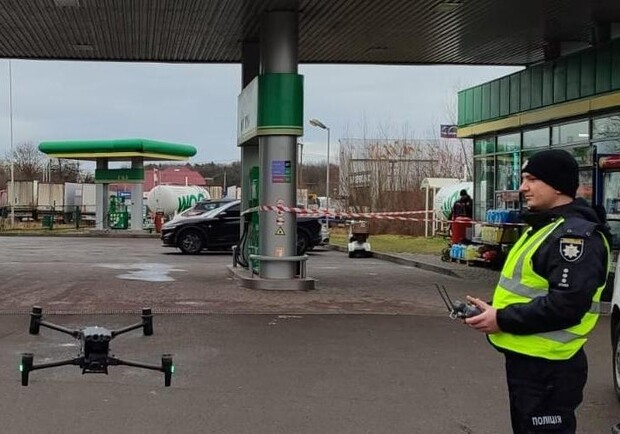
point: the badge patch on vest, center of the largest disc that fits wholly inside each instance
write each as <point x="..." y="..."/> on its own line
<point x="571" y="249"/>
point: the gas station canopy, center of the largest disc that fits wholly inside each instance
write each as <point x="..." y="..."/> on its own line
<point x="117" y="150"/>
<point x="507" y="32"/>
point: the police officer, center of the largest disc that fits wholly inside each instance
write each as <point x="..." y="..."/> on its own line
<point x="547" y="299"/>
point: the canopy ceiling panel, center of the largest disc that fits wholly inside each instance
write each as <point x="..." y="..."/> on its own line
<point x="508" y="32"/>
<point x="118" y="150"/>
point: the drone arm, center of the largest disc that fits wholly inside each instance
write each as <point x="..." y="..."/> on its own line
<point x="146" y="324"/>
<point x="166" y="366"/>
<point x="127" y="329"/>
<point x="75" y="361"/>
<point x="49" y="325"/>
<point x="36" y="321"/>
<point x="113" y="361"/>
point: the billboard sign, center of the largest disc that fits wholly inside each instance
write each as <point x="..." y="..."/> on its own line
<point x="449" y="131"/>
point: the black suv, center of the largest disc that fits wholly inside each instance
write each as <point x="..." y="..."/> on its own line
<point x="204" y="206"/>
<point x="219" y="229"/>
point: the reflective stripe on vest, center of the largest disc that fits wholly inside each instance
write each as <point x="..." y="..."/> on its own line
<point x="519" y="283"/>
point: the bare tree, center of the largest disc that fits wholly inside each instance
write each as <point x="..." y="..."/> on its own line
<point x="27" y="160"/>
<point x="61" y="171"/>
<point x="4" y="174"/>
<point x="384" y="173"/>
<point x="451" y="116"/>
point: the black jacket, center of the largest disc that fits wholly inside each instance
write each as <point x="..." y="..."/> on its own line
<point x="573" y="274"/>
<point x="463" y="207"/>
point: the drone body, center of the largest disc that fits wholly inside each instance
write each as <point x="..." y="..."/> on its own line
<point x="94" y="357"/>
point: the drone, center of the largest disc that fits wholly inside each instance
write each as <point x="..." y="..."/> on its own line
<point x="94" y="356"/>
<point x="457" y="309"/>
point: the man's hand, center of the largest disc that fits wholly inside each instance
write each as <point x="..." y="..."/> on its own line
<point x="486" y="322"/>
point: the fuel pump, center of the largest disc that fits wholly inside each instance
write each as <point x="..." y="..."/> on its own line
<point x="118" y="217"/>
<point x="250" y="239"/>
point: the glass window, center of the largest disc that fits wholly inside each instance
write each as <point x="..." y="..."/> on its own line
<point x="484" y="145"/>
<point x="507" y="199"/>
<point x="611" y="202"/>
<point x="606" y="128"/>
<point x="608" y="147"/>
<point x="508" y="171"/>
<point x="484" y="168"/>
<point x="233" y="211"/>
<point x="527" y="154"/>
<point x="536" y="138"/>
<point x="509" y="142"/>
<point x="570" y="133"/>
<point x="583" y="155"/>
<point x="585" y="184"/>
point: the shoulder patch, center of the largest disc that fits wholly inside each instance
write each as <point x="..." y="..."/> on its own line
<point x="571" y="248"/>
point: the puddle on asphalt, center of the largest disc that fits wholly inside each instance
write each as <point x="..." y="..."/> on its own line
<point x="192" y="303"/>
<point x="150" y="272"/>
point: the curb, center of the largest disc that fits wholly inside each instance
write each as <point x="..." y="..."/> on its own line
<point x="405" y="261"/>
<point x="89" y="234"/>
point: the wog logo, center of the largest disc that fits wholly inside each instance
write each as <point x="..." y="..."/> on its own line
<point x="188" y="201"/>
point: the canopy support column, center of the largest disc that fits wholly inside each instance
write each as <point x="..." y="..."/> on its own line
<point x="278" y="153"/>
<point x="101" y="198"/>
<point x="137" y="190"/>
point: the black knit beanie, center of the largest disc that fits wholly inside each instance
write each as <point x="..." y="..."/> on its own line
<point x="555" y="167"/>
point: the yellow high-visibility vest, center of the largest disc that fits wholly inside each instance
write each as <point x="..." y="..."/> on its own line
<point x="519" y="283"/>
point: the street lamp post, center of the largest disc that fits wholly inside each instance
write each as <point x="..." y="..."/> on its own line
<point x="300" y="164"/>
<point x="12" y="198"/>
<point x="319" y="124"/>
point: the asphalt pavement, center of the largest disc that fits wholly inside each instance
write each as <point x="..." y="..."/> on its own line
<point x="369" y="351"/>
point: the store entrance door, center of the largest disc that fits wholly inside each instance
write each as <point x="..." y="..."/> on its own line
<point x="610" y="200"/>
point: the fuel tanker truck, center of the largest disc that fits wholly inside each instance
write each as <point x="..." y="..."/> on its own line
<point x="173" y="199"/>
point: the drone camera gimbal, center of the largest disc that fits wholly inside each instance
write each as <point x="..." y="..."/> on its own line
<point x="94" y="356"/>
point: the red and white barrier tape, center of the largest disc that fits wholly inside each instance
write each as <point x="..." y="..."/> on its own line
<point x="390" y="215"/>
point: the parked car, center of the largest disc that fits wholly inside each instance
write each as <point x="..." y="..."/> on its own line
<point x="203" y="207"/>
<point x="219" y="229"/>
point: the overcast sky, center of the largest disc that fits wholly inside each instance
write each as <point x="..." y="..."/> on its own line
<point x="197" y="104"/>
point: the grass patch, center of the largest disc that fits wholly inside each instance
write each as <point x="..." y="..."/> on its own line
<point x="36" y="228"/>
<point x="393" y="243"/>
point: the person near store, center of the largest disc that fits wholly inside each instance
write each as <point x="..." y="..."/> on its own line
<point x="547" y="299"/>
<point x="460" y="216"/>
<point x="463" y="207"/>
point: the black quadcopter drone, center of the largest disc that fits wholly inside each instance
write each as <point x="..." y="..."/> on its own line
<point x="94" y="357"/>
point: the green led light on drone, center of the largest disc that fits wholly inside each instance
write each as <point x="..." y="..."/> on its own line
<point x="21" y="368"/>
<point x="172" y="369"/>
